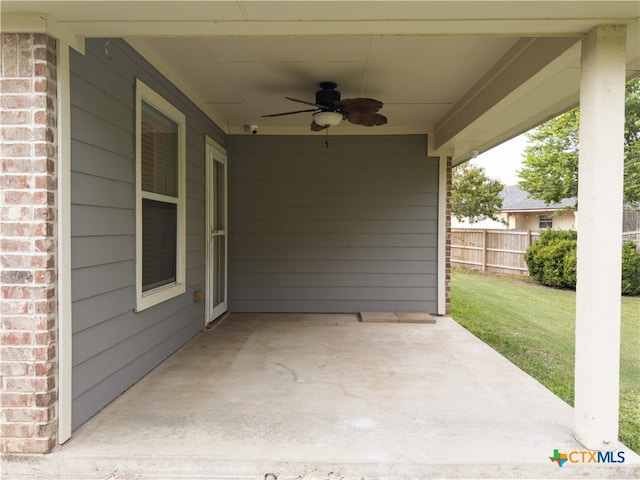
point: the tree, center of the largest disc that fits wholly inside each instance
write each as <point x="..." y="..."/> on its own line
<point x="550" y="167"/>
<point x="474" y="195"/>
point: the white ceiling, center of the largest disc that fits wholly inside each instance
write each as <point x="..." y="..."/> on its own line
<point x="238" y="79"/>
<point x="471" y="74"/>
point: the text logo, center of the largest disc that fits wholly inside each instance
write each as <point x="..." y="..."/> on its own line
<point x="584" y="456"/>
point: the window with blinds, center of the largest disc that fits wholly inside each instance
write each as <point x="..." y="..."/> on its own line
<point x="160" y="211"/>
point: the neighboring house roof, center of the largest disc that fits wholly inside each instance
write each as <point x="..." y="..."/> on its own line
<point x="486" y="224"/>
<point x="516" y="199"/>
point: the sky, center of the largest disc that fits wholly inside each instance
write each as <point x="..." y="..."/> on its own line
<point x="503" y="161"/>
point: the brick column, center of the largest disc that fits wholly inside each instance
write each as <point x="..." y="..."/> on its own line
<point x="28" y="244"/>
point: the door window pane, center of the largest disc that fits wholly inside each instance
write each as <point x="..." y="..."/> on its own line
<point x="221" y="208"/>
<point x="219" y="280"/>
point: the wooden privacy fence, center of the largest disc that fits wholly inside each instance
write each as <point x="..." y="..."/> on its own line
<point x="495" y="251"/>
<point x="633" y="236"/>
<point x="499" y="251"/>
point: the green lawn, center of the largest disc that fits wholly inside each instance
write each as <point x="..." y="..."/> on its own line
<point x="533" y="326"/>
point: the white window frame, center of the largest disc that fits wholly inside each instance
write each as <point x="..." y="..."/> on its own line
<point x="545" y="218"/>
<point x="165" y="292"/>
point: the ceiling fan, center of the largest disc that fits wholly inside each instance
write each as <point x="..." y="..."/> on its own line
<point x="330" y="110"/>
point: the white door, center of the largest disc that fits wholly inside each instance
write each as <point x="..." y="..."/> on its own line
<point x="216" y="172"/>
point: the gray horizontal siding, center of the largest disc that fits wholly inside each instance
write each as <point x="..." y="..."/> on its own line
<point x="101" y="191"/>
<point x="315" y="252"/>
<point x="293" y="213"/>
<point x="324" y="294"/>
<point x="92" y="281"/>
<point x="113" y="346"/>
<point x="346" y="229"/>
<point x="331" y="266"/>
<point x="355" y="200"/>
<point x="93" y="160"/>
<point x="335" y="279"/>
<point x="353" y="226"/>
<point x="275" y="240"/>
<point x="101" y="250"/>
<point x="109" y="304"/>
<point x="288" y="305"/>
<point x="96" y="221"/>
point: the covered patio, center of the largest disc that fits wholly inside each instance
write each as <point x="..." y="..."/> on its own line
<point x="327" y="397"/>
<point x="100" y="95"/>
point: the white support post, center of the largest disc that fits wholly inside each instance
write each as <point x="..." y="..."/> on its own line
<point x="598" y="288"/>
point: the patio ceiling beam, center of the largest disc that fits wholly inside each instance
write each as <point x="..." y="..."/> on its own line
<point x="552" y="90"/>
<point x="515" y="69"/>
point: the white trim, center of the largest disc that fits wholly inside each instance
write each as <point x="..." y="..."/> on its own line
<point x="158" y="197"/>
<point x="157" y="295"/>
<point x="442" y="235"/>
<point x="219" y="155"/>
<point x="42" y="23"/>
<point x="65" y="328"/>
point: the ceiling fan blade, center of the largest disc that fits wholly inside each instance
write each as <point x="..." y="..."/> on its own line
<point x="362" y="105"/>
<point x="317" y="128"/>
<point x="367" y="119"/>
<point x="290" y="113"/>
<point x="304" y="101"/>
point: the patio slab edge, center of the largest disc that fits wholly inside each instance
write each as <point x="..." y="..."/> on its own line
<point x="18" y="467"/>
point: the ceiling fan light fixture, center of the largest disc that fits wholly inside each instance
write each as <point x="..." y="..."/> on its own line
<point x="327" y="119"/>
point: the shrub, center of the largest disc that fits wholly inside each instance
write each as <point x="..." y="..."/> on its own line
<point x="551" y="259"/>
<point x="630" y="269"/>
<point x="569" y="275"/>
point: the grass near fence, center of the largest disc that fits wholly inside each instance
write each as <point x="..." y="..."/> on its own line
<point x="533" y="326"/>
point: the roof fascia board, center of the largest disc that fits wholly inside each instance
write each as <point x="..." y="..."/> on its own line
<point x="528" y="28"/>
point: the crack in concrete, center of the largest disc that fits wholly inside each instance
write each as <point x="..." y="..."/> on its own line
<point x="296" y="379"/>
<point x="293" y="373"/>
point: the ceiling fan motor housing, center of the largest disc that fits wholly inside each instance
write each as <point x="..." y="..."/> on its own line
<point x="328" y="95"/>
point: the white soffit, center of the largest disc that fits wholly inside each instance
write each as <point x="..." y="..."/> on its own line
<point x="426" y="60"/>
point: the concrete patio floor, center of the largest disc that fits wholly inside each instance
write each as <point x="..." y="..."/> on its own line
<point x="326" y="397"/>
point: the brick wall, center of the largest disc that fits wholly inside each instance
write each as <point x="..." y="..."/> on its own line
<point x="28" y="367"/>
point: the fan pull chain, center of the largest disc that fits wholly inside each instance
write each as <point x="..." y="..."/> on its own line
<point x="326" y="141"/>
